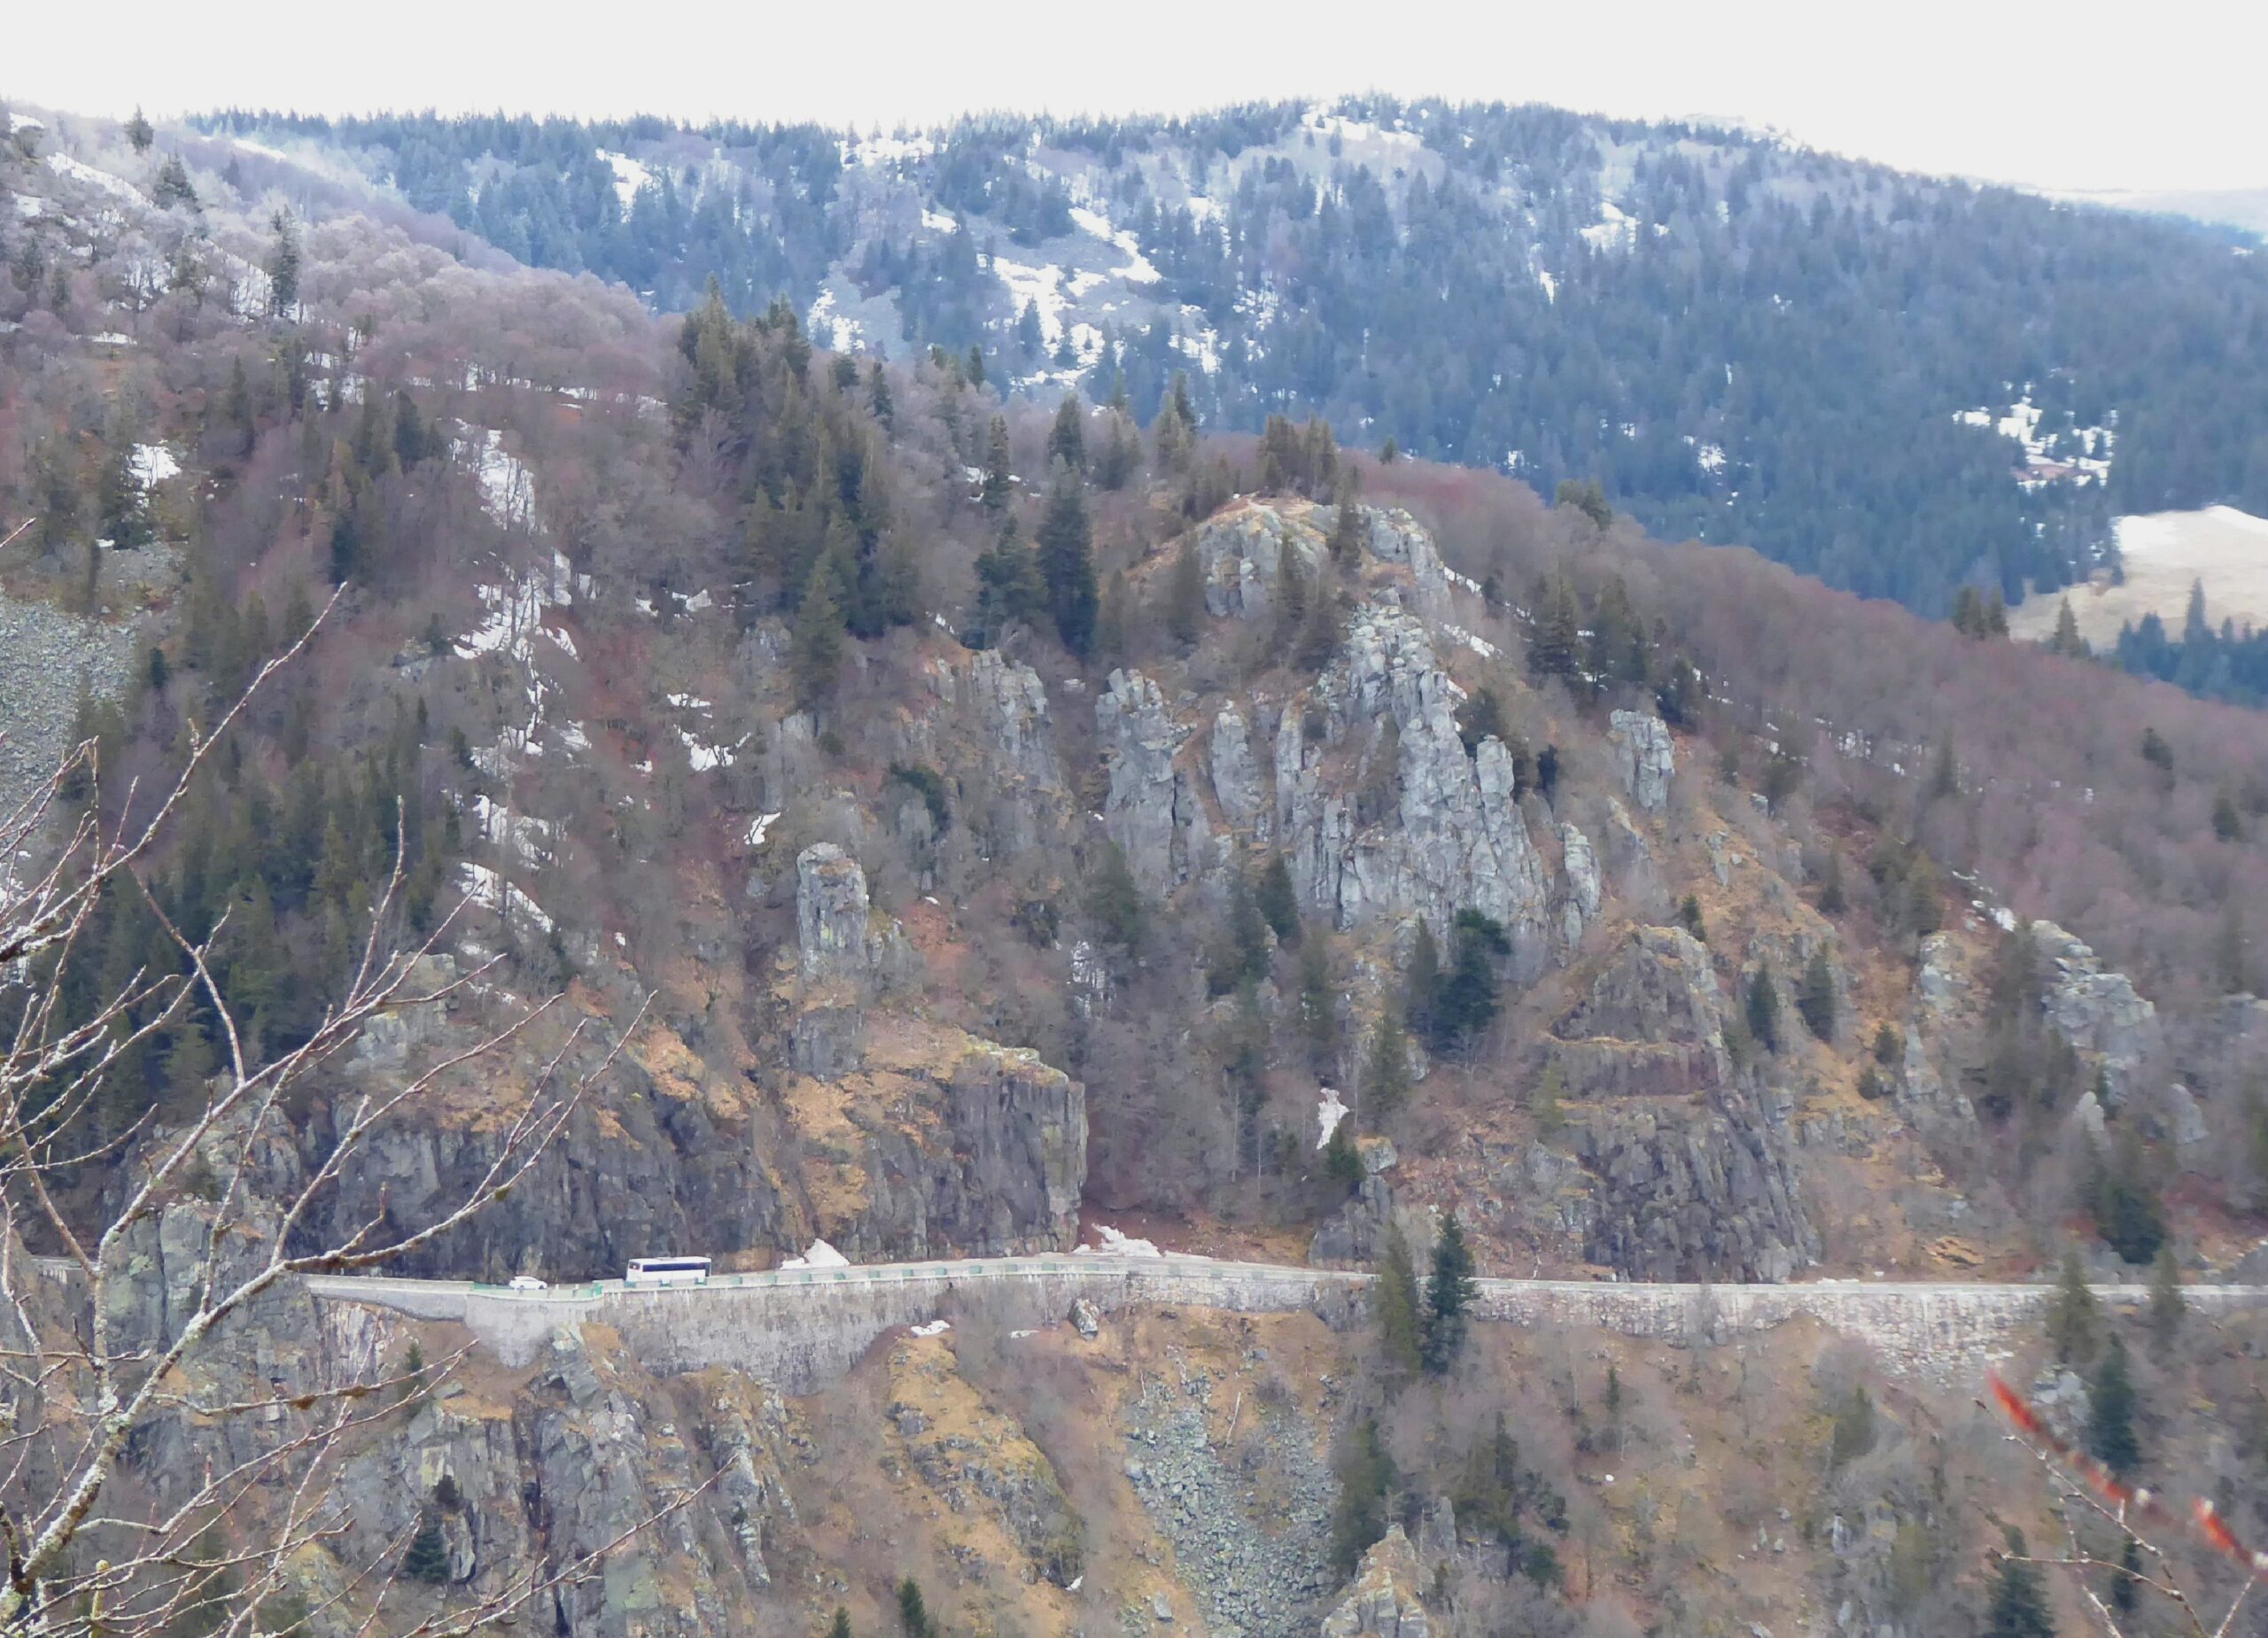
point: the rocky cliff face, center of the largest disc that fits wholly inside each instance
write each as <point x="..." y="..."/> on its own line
<point x="1382" y="1600"/>
<point x="1455" y="836"/>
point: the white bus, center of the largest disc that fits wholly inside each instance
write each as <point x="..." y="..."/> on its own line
<point x="668" y="1271"/>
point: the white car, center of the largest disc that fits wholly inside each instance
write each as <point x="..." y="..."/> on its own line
<point x="525" y="1282"/>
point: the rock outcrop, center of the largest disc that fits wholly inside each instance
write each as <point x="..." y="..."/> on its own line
<point x="2096" y="1010"/>
<point x="1241" y="551"/>
<point x="1013" y="791"/>
<point x="1154" y="811"/>
<point x="1651" y="1024"/>
<point x="1382" y="1599"/>
<point x="1236" y="775"/>
<point x="1454" y="838"/>
<point x="1643" y="756"/>
<point x="833" y="936"/>
<point x="1684" y="1192"/>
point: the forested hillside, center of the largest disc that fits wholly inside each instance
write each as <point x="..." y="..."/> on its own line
<point x="948" y="825"/>
<point x="1895" y="382"/>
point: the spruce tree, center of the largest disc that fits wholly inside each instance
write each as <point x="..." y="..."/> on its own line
<point x="1556" y="650"/>
<point x="998" y="481"/>
<point x="138" y="134"/>
<point x="840" y="1627"/>
<point x="1449" y="1291"/>
<point x="2168" y="1306"/>
<point x="815" y="652"/>
<point x="1278" y="902"/>
<point x="1815" y="1001"/>
<point x="1763" y="1010"/>
<point x="1115" y="903"/>
<point x="1365" y="1478"/>
<point x="2018" y="1607"/>
<point x="1348" y="532"/>
<point x="427" y="1557"/>
<point x="1421" y="984"/>
<point x="1393" y="1305"/>
<point x="1186" y="596"/>
<point x="1318" y="1006"/>
<point x="2067" y="640"/>
<point x="1386" y="1070"/>
<point x="1067" y="561"/>
<point x="1067" y="438"/>
<point x="2111" y="1439"/>
<point x="912" y="1610"/>
<point x="2072" y="1316"/>
<point x="283" y="268"/>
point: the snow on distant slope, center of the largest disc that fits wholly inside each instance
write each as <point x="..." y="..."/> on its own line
<point x="629" y="176"/>
<point x="78" y="170"/>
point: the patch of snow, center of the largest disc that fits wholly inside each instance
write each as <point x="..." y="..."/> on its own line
<point x="1481" y="646"/>
<point x="938" y="221"/>
<point x="1117" y="1244"/>
<point x="688" y="702"/>
<point x="761" y="828"/>
<point x="27" y="207"/>
<point x="840" y="335"/>
<point x="1615" y="228"/>
<point x="935" y="1328"/>
<point x="571" y="734"/>
<point x="879" y="149"/>
<point x="154" y="464"/>
<point x="1550" y="286"/>
<point x="1138" y="269"/>
<point x="24" y="122"/>
<point x="821" y="1255"/>
<point x="111" y="338"/>
<point x="491" y="891"/>
<point x="1711" y="457"/>
<point x="1328" y="1113"/>
<point x="78" y="170"/>
<point x="629" y="176"/>
<point x="1040" y="287"/>
<point x="506" y="486"/>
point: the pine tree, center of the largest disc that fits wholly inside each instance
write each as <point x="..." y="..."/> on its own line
<point x="1855" y="1429"/>
<point x="2067" y="640"/>
<point x="138" y="134"/>
<point x="885" y="411"/>
<point x="283" y="268"/>
<point x="1385" y="1071"/>
<point x="1421" y="984"/>
<point x="1467" y="1004"/>
<point x="1763" y="1010"/>
<point x="2018" y="1607"/>
<point x="1115" y="903"/>
<point x="2073" y="1318"/>
<point x="427" y="1557"/>
<point x="998" y="481"/>
<point x="815" y="653"/>
<point x="840" y="1627"/>
<point x="1815" y="1001"/>
<point x="1186" y="596"/>
<point x="1365" y="1478"/>
<point x="1278" y="902"/>
<point x="912" y="1610"/>
<point x="1067" y="440"/>
<point x="1318" y="1006"/>
<point x="1833" y="899"/>
<point x="1067" y="561"/>
<point x="2111" y="1439"/>
<point x="1350" y="529"/>
<point x="1393" y="1304"/>
<point x="2167" y="1305"/>
<point x="1556" y="650"/>
<point x="1449" y="1291"/>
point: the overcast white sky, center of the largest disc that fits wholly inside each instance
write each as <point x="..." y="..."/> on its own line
<point x="2140" y="94"/>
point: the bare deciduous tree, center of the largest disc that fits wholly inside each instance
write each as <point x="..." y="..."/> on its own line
<point x="2083" y="1485"/>
<point x="92" y="1546"/>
